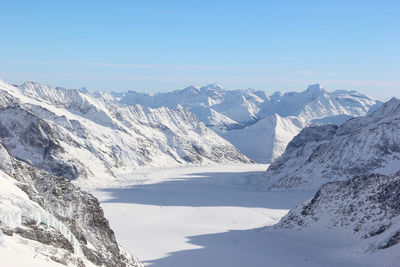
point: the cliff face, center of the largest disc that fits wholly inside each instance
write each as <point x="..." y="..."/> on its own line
<point x="74" y="134"/>
<point x="271" y="121"/>
<point x="356" y="169"/>
<point x="366" y="206"/>
<point x="321" y="154"/>
<point x="67" y="224"/>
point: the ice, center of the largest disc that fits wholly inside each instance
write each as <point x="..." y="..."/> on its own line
<point x="195" y="216"/>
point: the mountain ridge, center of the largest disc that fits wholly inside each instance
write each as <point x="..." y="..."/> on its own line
<point x="320" y="154"/>
<point x="96" y="137"/>
<point x="363" y="210"/>
<point x="227" y="111"/>
<point x="46" y="215"/>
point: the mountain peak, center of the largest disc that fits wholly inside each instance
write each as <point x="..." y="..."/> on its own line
<point x="212" y="87"/>
<point x="191" y="89"/>
<point x="390" y="108"/>
<point x="315" y="88"/>
<point x="276" y="95"/>
<point x="310" y="159"/>
<point x="393" y="102"/>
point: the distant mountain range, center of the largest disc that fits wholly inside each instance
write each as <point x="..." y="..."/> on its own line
<point x="92" y="134"/>
<point x="48" y="134"/>
<point x="74" y="134"/>
<point x="362" y="145"/>
<point x="356" y="169"/>
<point x="269" y="122"/>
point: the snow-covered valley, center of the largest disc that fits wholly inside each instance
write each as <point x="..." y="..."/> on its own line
<point x="220" y="216"/>
<point x="199" y="133"/>
<point x="177" y="191"/>
<point x="196" y="216"/>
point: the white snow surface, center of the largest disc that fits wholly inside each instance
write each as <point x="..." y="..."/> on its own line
<point x="195" y="215"/>
<point x="101" y="139"/>
<point x="164" y="211"/>
<point x="18" y="251"/>
<point x="18" y="254"/>
<point x="220" y="216"/>
<point x="265" y="139"/>
<point x="272" y="121"/>
<point x="363" y="211"/>
<point x="362" y="145"/>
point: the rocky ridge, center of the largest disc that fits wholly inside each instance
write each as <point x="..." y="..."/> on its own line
<point x="73" y="134"/>
<point x="321" y="154"/>
<point x="272" y="121"/>
<point x="367" y="206"/>
<point x="54" y="218"/>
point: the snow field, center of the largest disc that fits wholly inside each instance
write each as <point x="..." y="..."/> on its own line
<point x="160" y="214"/>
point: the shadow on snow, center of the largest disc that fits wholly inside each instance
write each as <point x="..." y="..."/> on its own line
<point x="208" y="189"/>
<point x="217" y="189"/>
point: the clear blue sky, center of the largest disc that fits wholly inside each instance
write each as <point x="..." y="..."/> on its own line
<point x="166" y="45"/>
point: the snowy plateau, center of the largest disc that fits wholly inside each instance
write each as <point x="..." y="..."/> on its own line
<point x="198" y="177"/>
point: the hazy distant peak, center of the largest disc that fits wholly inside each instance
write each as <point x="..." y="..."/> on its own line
<point x="192" y="89"/>
<point x="393" y="102"/>
<point x="388" y="109"/>
<point x="315" y="88"/>
<point x="212" y="87"/>
<point x="276" y="95"/>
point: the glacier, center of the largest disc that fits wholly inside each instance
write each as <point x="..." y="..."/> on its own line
<point x="175" y="175"/>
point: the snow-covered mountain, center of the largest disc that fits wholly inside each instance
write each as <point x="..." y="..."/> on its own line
<point x="226" y="108"/>
<point x="73" y="134"/>
<point x="362" y="145"/>
<point x="364" y="211"/>
<point x="47" y="221"/>
<point x="265" y="139"/>
<point x="271" y="121"/>
<point x="355" y="213"/>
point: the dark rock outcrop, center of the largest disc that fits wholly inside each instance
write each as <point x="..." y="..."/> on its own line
<point x="79" y="211"/>
<point x="318" y="155"/>
<point x="369" y="205"/>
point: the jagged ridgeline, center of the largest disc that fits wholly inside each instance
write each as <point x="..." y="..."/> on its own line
<point x="362" y="145"/>
<point x="48" y="134"/>
<point x="269" y="121"/>
<point x="358" y="166"/>
<point x="367" y="206"/>
<point x="74" y="134"/>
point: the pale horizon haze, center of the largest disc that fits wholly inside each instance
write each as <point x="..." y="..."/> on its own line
<point x="152" y="46"/>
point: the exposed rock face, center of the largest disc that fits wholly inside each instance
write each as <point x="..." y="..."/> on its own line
<point x="270" y="121"/>
<point x="43" y="234"/>
<point x="362" y="145"/>
<point x="367" y="205"/>
<point x="74" y="134"/>
<point x="32" y="139"/>
<point x="57" y="214"/>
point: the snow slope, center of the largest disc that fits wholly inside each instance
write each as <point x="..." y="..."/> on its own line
<point x="272" y="121"/>
<point x="228" y="107"/>
<point x="363" y="145"/>
<point x="265" y="139"/>
<point x="365" y="210"/>
<point x="45" y="220"/>
<point x="79" y="135"/>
